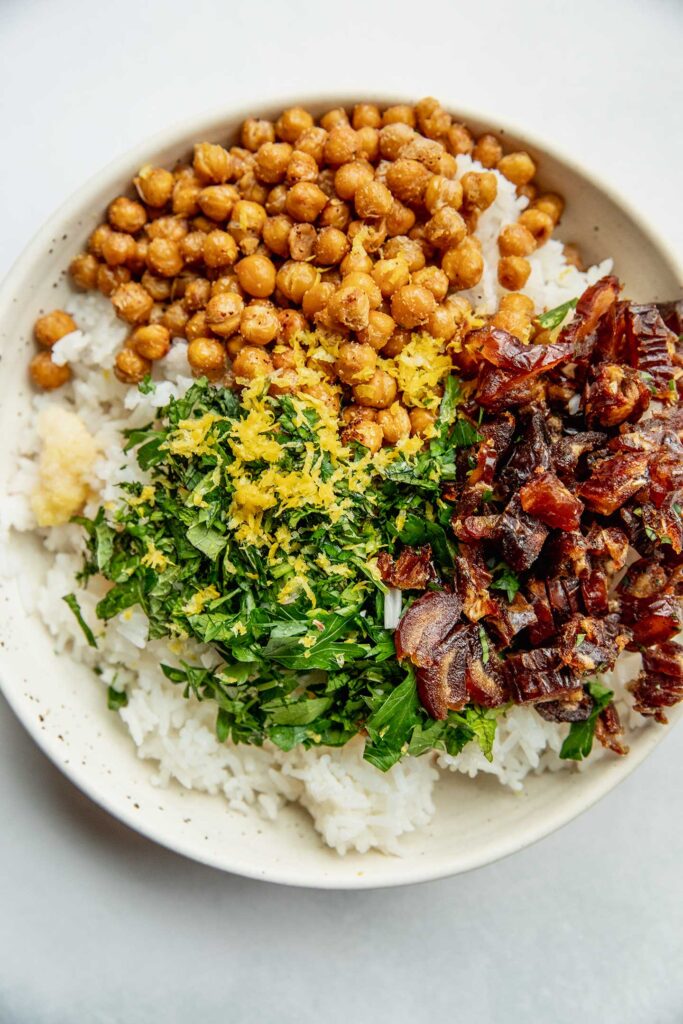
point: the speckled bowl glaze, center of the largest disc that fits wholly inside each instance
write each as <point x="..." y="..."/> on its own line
<point x="62" y="707"/>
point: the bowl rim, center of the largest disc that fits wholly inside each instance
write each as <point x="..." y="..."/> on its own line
<point x="205" y="124"/>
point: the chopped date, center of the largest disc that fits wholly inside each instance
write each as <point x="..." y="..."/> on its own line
<point x="594" y="304"/>
<point x="531" y="453"/>
<point x="412" y="570"/>
<point x="654" y="691"/>
<point x="594" y="592"/>
<point x="568" y="451"/>
<point x="587" y="644"/>
<point x="441" y="685"/>
<point x="546" y="497"/>
<point x="567" y="710"/>
<point x="496" y="438"/>
<point x="651" y="347"/>
<point x="608" y="729"/>
<point x="652" y="620"/>
<point x="613" y="481"/>
<point x="473" y="579"/>
<point x="616" y="394"/>
<point x="475" y="528"/>
<point x="534" y="676"/>
<point x="544" y="626"/>
<point x="563" y="594"/>
<point x="425" y="625"/>
<point x="510" y="617"/>
<point x="519" y="535"/>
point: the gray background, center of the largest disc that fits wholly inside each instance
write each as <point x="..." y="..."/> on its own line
<point x="96" y="923"/>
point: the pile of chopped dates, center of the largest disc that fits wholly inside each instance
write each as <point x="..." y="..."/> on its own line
<point x="577" y="474"/>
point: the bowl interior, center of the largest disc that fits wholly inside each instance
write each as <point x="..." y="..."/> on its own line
<point x="61" y="704"/>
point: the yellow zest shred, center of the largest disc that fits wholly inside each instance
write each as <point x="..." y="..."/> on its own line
<point x="420" y="370"/>
<point x="154" y="559"/>
<point x="200" y="599"/>
<point x="193" y="437"/>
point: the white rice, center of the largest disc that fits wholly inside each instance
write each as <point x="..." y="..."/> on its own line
<point x="352" y="805"/>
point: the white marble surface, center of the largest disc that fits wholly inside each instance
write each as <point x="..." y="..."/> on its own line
<point x="97" y="924"/>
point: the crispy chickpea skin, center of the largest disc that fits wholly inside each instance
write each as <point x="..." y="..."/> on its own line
<point x="130" y="367"/>
<point x="513" y="272"/>
<point x="223" y="313"/>
<point x="152" y="341"/>
<point x="164" y="258"/>
<point x="126" y="215"/>
<point x="211" y="163"/>
<point x="255" y="132"/>
<point x="464" y="264"/>
<point x="292" y="123"/>
<point x="219" y="249"/>
<point x="256" y="275"/>
<point x="518" y="168"/>
<point x="379" y="392"/>
<point x="47" y="375"/>
<point x="217" y="201"/>
<point x="395" y="423"/>
<point x="391" y="274"/>
<point x="366" y="115"/>
<point x="272" y="160"/>
<point x="479" y="190"/>
<point x="132" y="303"/>
<point x="331" y="246"/>
<point x="50" y="328"/>
<point x="550" y="203"/>
<point x="516" y="240"/>
<point x="459" y="140"/>
<point x="373" y="199"/>
<point x="537" y="222"/>
<point x="305" y="201"/>
<point x="446" y="228"/>
<point x="380" y="328"/>
<point x="251" y="362"/>
<point x="407" y="180"/>
<point x="350" y="307"/>
<point x="294" y="279"/>
<point x="356" y="362"/>
<point x="118" y="248"/>
<point x="435" y="280"/>
<point x="351" y="176"/>
<point x="412" y="305"/>
<point x="487" y="150"/>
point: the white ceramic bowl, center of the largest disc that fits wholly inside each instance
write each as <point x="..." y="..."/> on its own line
<point x="477" y="821"/>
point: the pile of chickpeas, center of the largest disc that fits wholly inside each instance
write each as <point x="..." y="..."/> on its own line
<point x="355" y="226"/>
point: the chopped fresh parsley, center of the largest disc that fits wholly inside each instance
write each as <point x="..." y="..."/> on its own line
<point x="75" y="607"/>
<point x="116" y="699"/>
<point x="257" y="532"/>
<point x="579" y="743"/>
<point x="505" y="579"/>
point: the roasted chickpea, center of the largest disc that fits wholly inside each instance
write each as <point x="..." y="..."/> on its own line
<point x="402" y="113"/>
<point x="445" y="229"/>
<point x="411" y="251"/>
<point x="459" y="140"/>
<point x="284" y="358"/>
<point x="220" y="249"/>
<point x="354" y="413"/>
<point x="552" y="204"/>
<point x="516" y="240"/>
<point x="331" y="246"/>
<point x="292" y="322"/>
<point x="434" y="280"/>
<point x="217" y="201"/>
<point x="335" y="118"/>
<point x="399" y="220"/>
<point x="312" y="142"/>
<point x="411" y="305"/>
<point x="392" y="139"/>
<point x="335" y="215"/>
<point x="256" y="275"/>
<point x="276" y="234"/>
<point x="109" y="278"/>
<point x="152" y="341"/>
<point x="365" y="432"/>
<point x="356" y="261"/>
<point x="126" y="215"/>
<point x="432" y="119"/>
<point x="97" y="239"/>
<point x="227" y="282"/>
<point x="197" y="326"/>
<point x="326" y="182"/>
<point x="137" y="264"/>
<point x="302" y="239"/>
<point x="408" y="180"/>
<point x="185" y="199"/>
<point x="479" y="190"/>
<point x="441" y="191"/>
<point x="48" y="329"/>
<point x="292" y="123"/>
<point x="421" y="422"/>
<point x="373" y="199"/>
<point x="174" y="319"/>
<point x="367" y="143"/>
<point x="520" y="303"/>
<point x="83" y="270"/>
<point x="154" y="185"/>
<point x="130" y="367"/>
<point x="488" y="150"/>
<point x="164" y="258"/>
<point x="325" y="393"/>
<point x="442" y="322"/>
<point x="340" y="145"/>
<point x="272" y="160"/>
<point x="276" y="200"/>
<point x="529" y="191"/>
<point x="391" y="274"/>
<point x="513" y="321"/>
<point x="48" y="375"/>
<point x="251" y="362"/>
<point x="350" y="307"/>
<point x="395" y="423"/>
<point x="372" y="234"/>
<point x="259" y="325"/>
<point x="223" y="313"/>
<point x="305" y="201"/>
<point x="197" y="294"/>
<point x="350" y="176"/>
<point x="396" y="343"/>
<point x="132" y="303"/>
<point x="513" y="272"/>
<point x="118" y="248"/>
<point x="355" y="362"/>
<point x="380" y="328"/>
<point x="464" y="263"/>
<point x="294" y="279"/>
<point x="301" y="167"/>
<point x="211" y="163"/>
<point x="172" y="228"/>
<point x="192" y="247"/>
<point x="247" y="219"/>
<point x="359" y="279"/>
<point x="255" y="132"/>
<point x="429" y="153"/>
<point x="317" y="298"/>
<point x="540" y="224"/>
<point x="518" y="168"/>
<point x="366" y="115"/>
<point x="379" y="392"/>
<point x="207" y="358"/>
